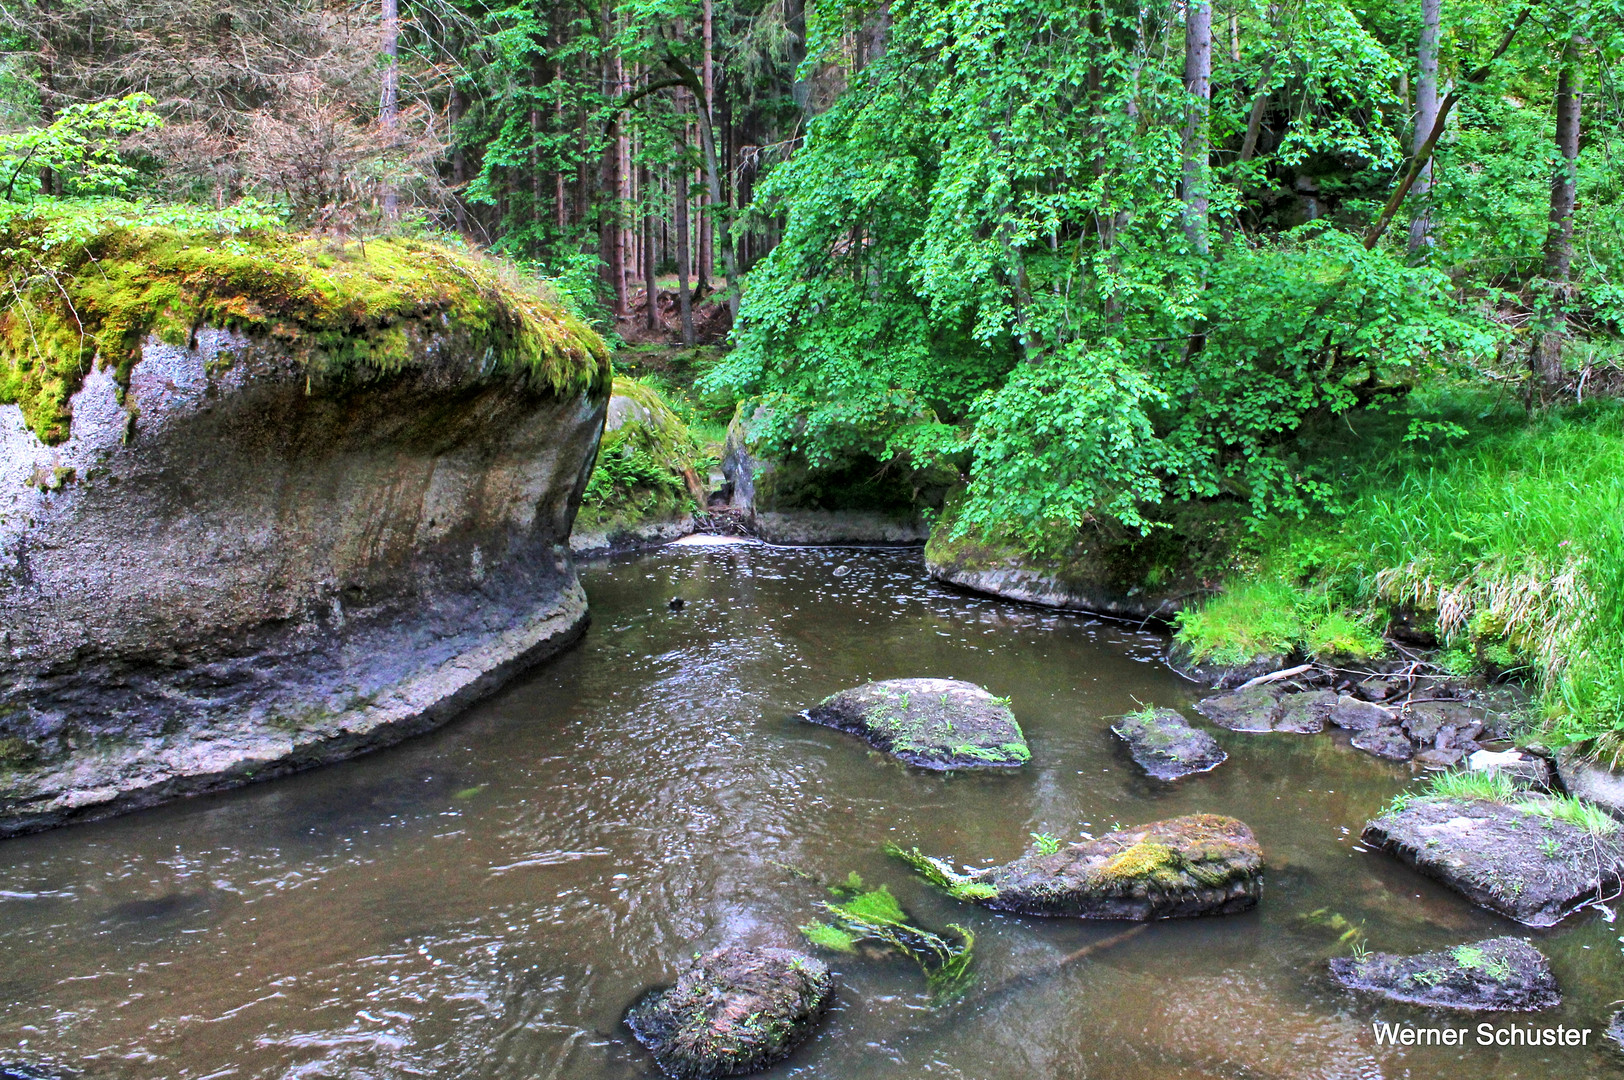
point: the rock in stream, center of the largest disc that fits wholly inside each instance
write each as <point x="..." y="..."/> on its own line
<point x="1509" y="858"/>
<point x="1201" y="864"/>
<point x="1165" y="745"/>
<point x="1503" y="974"/>
<point x="732" y="1012"/>
<point x="932" y="723"/>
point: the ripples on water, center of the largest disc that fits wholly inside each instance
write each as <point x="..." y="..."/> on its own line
<point x="485" y="902"/>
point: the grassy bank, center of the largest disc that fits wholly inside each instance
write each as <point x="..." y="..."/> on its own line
<point x="1464" y="518"/>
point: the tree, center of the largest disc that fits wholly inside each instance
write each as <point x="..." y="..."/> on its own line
<point x="1426" y="116"/>
<point x="1547" y="351"/>
<point x="1198" y="84"/>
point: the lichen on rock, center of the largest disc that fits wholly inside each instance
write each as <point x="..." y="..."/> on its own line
<point x="1502" y="974"/>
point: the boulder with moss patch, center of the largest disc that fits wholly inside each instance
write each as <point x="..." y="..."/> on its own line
<point x="645" y="485"/>
<point x="1165" y="745"/>
<point x="734" y="1011"/>
<point x="1200" y="864"/>
<point x="1533" y="859"/>
<point x="321" y="501"/>
<point x="932" y="723"/>
<point x="1502" y="974"/>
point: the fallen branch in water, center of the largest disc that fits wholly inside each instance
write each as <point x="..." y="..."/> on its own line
<point x="1285" y="673"/>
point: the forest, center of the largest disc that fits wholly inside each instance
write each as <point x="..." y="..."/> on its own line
<point x="1326" y="297"/>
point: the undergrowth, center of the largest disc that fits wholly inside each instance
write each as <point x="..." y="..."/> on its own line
<point x="1497" y="788"/>
<point x="1501" y="534"/>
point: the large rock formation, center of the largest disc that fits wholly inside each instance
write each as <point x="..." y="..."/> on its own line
<point x="304" y="500"/>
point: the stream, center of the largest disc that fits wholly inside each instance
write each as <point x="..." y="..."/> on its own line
<point x="486" y="901"/>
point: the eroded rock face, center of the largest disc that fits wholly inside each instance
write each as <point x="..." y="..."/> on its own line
<point x="1503" y="974"/>
<point x="733" y="1012"/>
<point x="240" y="569"/>
<point x="1165" y="745"/>
<point x="1201" y="864"/>
<point x="1508" y="858"/>
<point x="932" y="723"/>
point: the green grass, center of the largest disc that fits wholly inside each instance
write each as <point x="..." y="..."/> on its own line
<point x="1503" y="534"/>
<point x="1495" y="787"/>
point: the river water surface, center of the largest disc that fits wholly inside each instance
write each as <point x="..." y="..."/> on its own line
<point x="486" y="901"/>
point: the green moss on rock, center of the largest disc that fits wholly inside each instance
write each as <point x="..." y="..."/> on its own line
<point x="89" y="291"/>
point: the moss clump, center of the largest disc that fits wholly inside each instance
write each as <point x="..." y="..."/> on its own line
<point x="89" y="289"/>
<point x="943" y="876"/>
<point x="1145" y="861"/>
<point x="859" y="914"/>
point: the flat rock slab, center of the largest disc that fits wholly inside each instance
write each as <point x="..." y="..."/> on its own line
<point x="1506" y="857"/>
<point x="1202" y="864"/>
<point x="932" y="723"/>
<point x="1165" y="745"/>
<point x="733" y="1012"/>
<point x="1305" y="713"/>
<point x="1247" y="710"/>
<point x="1503" y="974"/>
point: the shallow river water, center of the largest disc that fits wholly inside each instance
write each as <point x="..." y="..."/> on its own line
<point x="485" y="902"/>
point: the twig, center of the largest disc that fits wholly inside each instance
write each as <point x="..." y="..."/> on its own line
<point x="1284" y="673"/>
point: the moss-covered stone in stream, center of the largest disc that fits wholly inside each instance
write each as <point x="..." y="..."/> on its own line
<point x="89" y="290"/>
<point x="932" y="723"/>
<point x="1201" y="864"/>
<point x="647" y="465"/>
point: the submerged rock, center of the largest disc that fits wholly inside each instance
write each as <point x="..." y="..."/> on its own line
<point x="1503" y="974"/>
<point x="289" y="542"/>
<point x="932" y="723"/>
<point x="733" y="1012"/>
<point x="1247" y="710"/>
<point x="1510" y="858"/>
<point x="1166" y="746"/>
<point x="1201" y="864"/>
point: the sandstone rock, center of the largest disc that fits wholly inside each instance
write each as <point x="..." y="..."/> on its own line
<point x="1528" y="866"/>
<point x="1385" y="742"/>
<point x="1590" y="780"/>
<point x="616" y="519"/>
<point x="1440" y="759"/>
<point x="1222" y="676"/>
<point x="1202" y="864"/>
<point x="268" y="560"/>
<point x="932" y="723"/>
<point x="733" y="1012"/>
<point x="1503" y="974"/>
<point x="1249" y="710"/>
<point x="1523" y="770"/>
<point x="1166" y="746"/>
<point x="1352" y="714"/>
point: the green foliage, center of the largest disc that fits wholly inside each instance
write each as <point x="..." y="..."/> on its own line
<point x="859" y="914"/>
<point x="943" y="876"/>
<point x="83" y="144"/>
<point x="1267" y="615"/>
<point x="89" y="287"/>
<point x="639" y="475"/>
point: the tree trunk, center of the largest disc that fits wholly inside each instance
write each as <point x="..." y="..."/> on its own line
<point x="541" y="75"/>
<point x="1547" y="353"/>
<point x="684" y="297"/>
<point x="1426" y="115"/>
<point x="795" y="24"/>
<point x="389" y="98"/>
<point x="706" y="215"/>
<point x="459" y="158"/>
<point x="47" y="100"/>
<point x="1198" y="84"/>
<point x="651" y="285"/>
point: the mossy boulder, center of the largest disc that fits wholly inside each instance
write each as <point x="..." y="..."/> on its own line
<point x="734" y="1011"/>
<point x="1200" y="864"/>
<point x="931" y="723"/>
<point x="1165" y="745"/>
<point x="645" y="485"/>
<point x="320" y="500"/>
<point x="1503" y="974"/>
<point x="1523" y="859"/>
